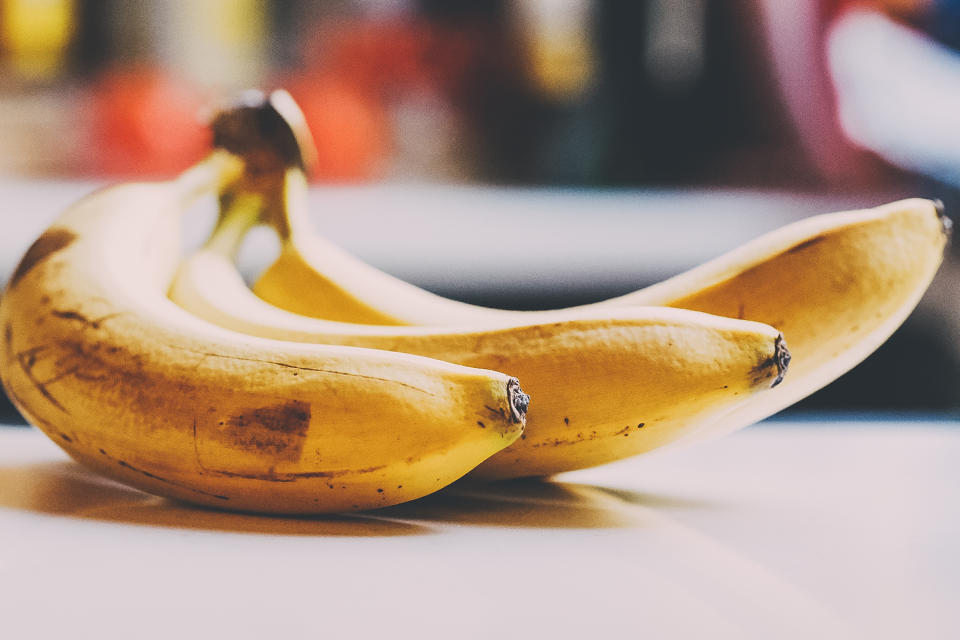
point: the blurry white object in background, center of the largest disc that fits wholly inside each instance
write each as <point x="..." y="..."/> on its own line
<point x="218" y="44"/>
<point x="898" y="93"/>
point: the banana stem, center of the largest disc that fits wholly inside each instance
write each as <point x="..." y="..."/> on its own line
<point x="214" y="173"/>
<point x="241" y="211"/>
<point x="292" y="217"/>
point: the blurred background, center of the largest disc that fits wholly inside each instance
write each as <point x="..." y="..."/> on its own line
<point x="521" y="153"/>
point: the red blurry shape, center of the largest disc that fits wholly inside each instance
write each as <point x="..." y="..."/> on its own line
<point x="146" y="123"/>
<point x="349" y="125"/>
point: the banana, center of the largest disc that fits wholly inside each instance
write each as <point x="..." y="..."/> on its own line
<point x="609" y="383"/>
<point x="137" y="389"/>
<point x="837" y="285"/>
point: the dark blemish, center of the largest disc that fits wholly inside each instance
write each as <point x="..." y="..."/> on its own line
<point x="726" y="386"/>
<point x="71" y="315"/>
<point x="641" y="425"/>
<point x="556" y="442"/>
<point x="625" y="431"/>
<point x="379" y="490"/>
<point x="287" y="365"/>
<point x="280" y="429"/>
<point x="153" y="476"/>
<point x="740" y="311"/>
<point x="523" y="436"/>
<point x="8" y="336"/>
<point x="482" y="426"/>
<point x="806" y="244"/>
<point x="399" y="486"/>
<point x="44" y="299"/>
<point x="65" y="437"/>
<point x="497" y="413"/>
<point x="76" y="315"/>
<point x="46" y="245"/>
<point x="566" y="420"/>
<point x="26" y="360"/>
<point x="293" y="476"/>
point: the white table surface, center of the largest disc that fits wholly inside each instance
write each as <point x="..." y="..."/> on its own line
<point x="783" y="530"/>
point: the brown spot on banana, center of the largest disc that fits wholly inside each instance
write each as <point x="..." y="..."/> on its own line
<point x="76" y="315"/>
<point x="806" y="244"/>
<point x="152" y="476"/>
<point x="293" y="476"/>
<point x="52" y="241"/>
<point x="279" y="430"/>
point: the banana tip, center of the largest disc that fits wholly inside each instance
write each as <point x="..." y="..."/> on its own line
<point x="945" y="222"/>
<point x="781" y="357"/>
<point x="519" y="401"/>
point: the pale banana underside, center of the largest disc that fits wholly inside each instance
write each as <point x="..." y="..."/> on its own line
<point x="836" y="285"/>
<point x="129" y="384"/>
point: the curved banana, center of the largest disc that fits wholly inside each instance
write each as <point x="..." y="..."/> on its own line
<point x="837" y="285"/>
<point x="609" y="383"/>
<point x="134" y="387"/>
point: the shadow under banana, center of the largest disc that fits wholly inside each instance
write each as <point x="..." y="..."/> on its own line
<point x="67" y="489"/>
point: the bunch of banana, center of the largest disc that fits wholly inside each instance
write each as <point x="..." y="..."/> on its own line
<point x="96" y="355"/>
<point x="836" y="285"/>
<point x="338" y="387"/>
<point x="608" y="383"/>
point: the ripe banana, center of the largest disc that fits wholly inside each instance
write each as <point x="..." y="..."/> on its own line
<point x="609" y="383"/>
<point x="132" y="386"/>
<point x="837" y="285"/>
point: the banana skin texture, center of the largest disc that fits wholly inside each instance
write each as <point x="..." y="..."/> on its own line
<point x="135" y="388"/>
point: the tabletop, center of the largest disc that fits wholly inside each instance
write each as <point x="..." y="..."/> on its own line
<point x="788" y="529"/>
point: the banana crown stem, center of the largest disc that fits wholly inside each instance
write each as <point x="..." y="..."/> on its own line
<point x="239" y="212"/>
<point x="217" y="172"/>
<point x="292" y="217"/>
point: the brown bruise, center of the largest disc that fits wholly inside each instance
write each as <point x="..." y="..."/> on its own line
<point x="52" y="241"/>
<point x="279" y="430"/>
<point x="806" y="244"/>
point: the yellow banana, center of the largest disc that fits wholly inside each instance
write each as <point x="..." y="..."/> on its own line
<point x="134" y="387"/>
<point x="609" y="383"/>
<point x="836" y="285"/>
